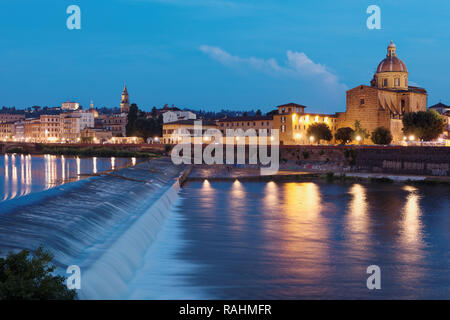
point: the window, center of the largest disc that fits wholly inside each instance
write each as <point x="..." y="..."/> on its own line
<point x="397" y="82"/>
<point x="361" y="101"/>
<point x="385" y="83"/>
<point x="283" y="128"/>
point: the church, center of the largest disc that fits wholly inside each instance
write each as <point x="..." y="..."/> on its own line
<point x="386" y="100"/>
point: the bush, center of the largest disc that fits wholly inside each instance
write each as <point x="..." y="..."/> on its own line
<point x="320" y="131"/>
<point x="425" y="125"/>
<point x="381" y="135"/>
<point x="345" y="135"/>
<point x="30" y="277"/>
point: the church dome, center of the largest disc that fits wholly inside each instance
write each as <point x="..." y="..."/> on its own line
<point x="391" y="63"/>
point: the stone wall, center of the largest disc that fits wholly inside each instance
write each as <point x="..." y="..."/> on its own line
<point x="401" y="160"/>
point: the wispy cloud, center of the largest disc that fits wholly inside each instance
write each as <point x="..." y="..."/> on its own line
<point x="297" y="64"/>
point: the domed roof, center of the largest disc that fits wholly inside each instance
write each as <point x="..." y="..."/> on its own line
<point x="391" y="63"/>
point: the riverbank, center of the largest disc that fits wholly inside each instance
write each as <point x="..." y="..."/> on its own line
<point x="289" y="173"/>
<point x="84" y="151"/>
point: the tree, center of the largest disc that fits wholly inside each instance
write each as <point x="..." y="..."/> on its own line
<point x="381" y="135"/>
<point x="258" y="112"/>
<point x="425" y="125"/>
<point x="360" y="132"/>
<point x="30" y="277"/>
<point x="345" y="135"/>
<point x="132" y="117"/>
<point x="320" y="131"/>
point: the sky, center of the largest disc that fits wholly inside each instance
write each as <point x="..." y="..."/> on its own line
<point x="215" y="54"/>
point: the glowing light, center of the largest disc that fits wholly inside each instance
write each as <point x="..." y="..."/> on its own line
<point x="411" y="138"/>
<point x="358" y="138"/>
<point x="298" y="136"/>
<point x="316" y="119"/>
<point x="311" y="138"/>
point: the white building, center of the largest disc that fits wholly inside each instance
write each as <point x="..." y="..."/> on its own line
<point x="172" y="116"/>
<point x="86" y="119"/>
<point x="68" y="105"/>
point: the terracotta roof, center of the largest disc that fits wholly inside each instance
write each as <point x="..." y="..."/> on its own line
<point x="291" y="104"/>
<point x="243" y="119"/>
<point x="191" y="122"/>
<point x="392" y="64"/>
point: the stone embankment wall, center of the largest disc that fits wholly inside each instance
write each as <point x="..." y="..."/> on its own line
<point x="402" y="160"/>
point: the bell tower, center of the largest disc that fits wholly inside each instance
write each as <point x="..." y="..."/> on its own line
<point x="125" y="102"/>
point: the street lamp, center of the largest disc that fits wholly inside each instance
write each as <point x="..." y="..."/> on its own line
<point x="358" y="138"/>
<point x="411" y="138"/>
<point x="311" y="139"/>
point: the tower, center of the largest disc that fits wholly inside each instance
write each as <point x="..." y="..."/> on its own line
<point x="125" y="102"/>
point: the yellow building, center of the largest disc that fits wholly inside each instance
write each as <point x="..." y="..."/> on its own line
<point x="293" y="124"/>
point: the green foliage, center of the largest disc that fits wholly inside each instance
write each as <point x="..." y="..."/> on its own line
<point x="30" y="277"/>
<point x="381" y="135"/>
<point x="382" y="179"/>
<point x="351" y="153"/>
<point x="93" y="152"/>
<point x="320" y="131"/>
<point x="345" y="135"/>
<point x="19" y="150"/>
<point x="305" y="154"/>
<point x="360" y="131"/>
<point x="321" y="152"/>
<point x="330" y="176"/>
<point x="86" y="139"/>
<point x="425" y="125"/>
<point x="139" y="125"/>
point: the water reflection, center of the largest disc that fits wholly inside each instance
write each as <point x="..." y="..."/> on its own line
<point x="237" y="205"/>
<point x="312" y="240"/>
<point x="24" y="174"/>
<point x="357" y="218"/>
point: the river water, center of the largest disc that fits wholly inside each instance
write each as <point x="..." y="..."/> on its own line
<point x="305" y="240"/>
<point x="24" y="174"/>
<point x="134" y="237"/>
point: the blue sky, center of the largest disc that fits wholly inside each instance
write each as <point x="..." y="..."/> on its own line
<point x="214" y="54"/>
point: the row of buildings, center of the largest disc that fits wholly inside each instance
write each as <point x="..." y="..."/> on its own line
<point x="66" y="124"/>
<point x="383" y="103"/>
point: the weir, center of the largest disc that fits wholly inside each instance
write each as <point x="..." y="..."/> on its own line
<point x="102" y="224"/>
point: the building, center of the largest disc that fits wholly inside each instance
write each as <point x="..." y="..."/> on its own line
<point x="32" y="128"/>
<point x="245" y="123"/>
<point x="386" y="100"/>
<point x="11" y="117"/>
<point x="293" y="123"/>
<point x="125" y="102"/>
<point x="116" y="123"/>
<point x="95" y="135"/>
<point x="70" y="127"/>
<point x="50" y="128"/>
<point x="70" y="106"/>
<point x="173" y="132"/>
<point x="7" y="131"/>
<point x="173" y="116"/>
<point x="440" y="108"/>
<point x="19" y="133"/>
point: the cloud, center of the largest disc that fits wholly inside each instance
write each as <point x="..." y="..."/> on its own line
<point x="297" y="65"/>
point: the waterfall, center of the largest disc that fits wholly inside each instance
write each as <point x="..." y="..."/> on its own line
<point x="105" y="224"/>
<point x="107" y="278"/>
